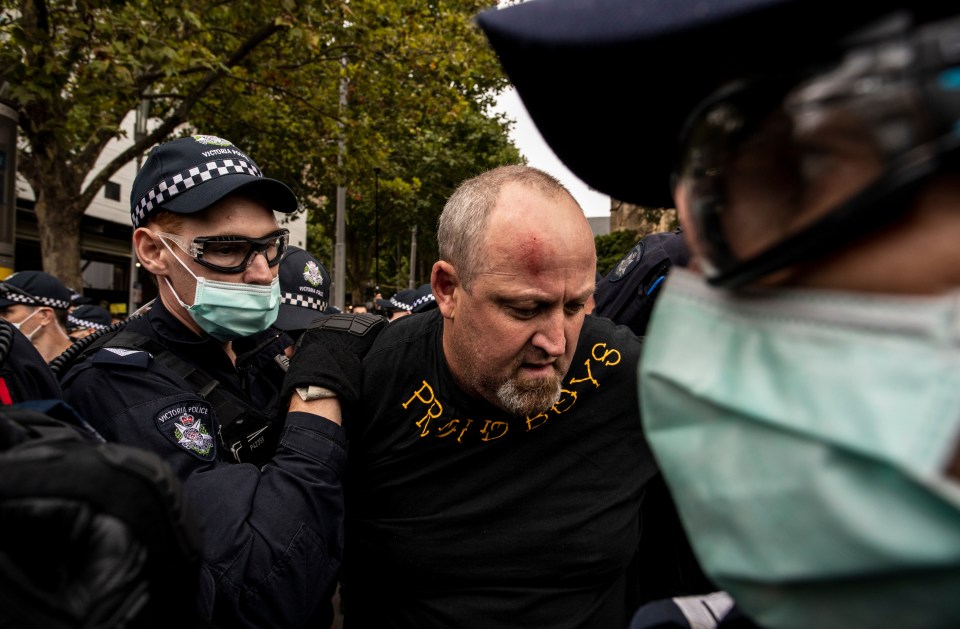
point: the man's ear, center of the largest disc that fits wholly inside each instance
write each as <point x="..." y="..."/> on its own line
<point x="149" y="250"/>
<point x="46" y="315"/>
<point x="444" y="282"/>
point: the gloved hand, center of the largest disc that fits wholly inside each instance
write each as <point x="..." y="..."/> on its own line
<point x="330" y="353"/>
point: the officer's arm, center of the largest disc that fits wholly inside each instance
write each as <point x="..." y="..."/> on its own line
<point x="274" y="536"/>
<point x="329" y="358"/>
<point x="328" y="408"/>
<point x="304" y="474"/>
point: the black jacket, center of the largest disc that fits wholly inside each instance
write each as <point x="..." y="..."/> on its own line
<point x="272" y="536"/>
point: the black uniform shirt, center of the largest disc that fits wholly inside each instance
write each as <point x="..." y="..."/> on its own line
<point x="272" y="536"/>
<point x="460" y="515"/>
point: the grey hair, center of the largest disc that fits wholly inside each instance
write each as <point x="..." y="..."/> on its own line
<point x="463" y="222"/>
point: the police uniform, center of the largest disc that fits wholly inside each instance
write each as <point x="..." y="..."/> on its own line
<point x="257" y="523"/>
<point x="23" y="373"/>
<point x="461" y="515"/>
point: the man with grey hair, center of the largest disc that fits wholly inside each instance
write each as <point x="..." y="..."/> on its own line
<point x="497" y="478"/>
<point x="799" y="380"/>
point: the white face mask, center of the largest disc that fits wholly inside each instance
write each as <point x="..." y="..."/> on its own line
<point x="24" y="320"/>
<point x="230" y="310"/>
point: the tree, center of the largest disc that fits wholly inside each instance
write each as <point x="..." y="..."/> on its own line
<point x="265" y="75"/>
<point x="612" y="247"/>
<point x="420" y="81"/>
<point x="74" y="70"/>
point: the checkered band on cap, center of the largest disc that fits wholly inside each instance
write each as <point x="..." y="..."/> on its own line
<point x="181" y="182"/>
<point x="419" y="301"/>
<point x="399" y="304"/>
<point x="82" y="323"/>
<point x="304" y="301"/>
<point x="34" y="300"/>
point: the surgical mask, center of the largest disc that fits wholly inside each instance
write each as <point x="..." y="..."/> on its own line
<point x="807" y="438"/>
<point x="230" y="310"/>
<point x="25" y="319"/>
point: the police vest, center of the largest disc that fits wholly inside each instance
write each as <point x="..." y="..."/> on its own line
<point x="246" y="433"/>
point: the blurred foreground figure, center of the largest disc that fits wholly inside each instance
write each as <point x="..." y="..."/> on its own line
<point x="799" y="384"/>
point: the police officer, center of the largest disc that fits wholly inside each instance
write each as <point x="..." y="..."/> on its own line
<point x="86" y="319"/>
<point x="196" y="380"/>
<point x="399" y="305"/>
<point x="24" y="375"/>
<point x="424" y="299"/>
<point x="798" y="382"/>
<point x="36" y="302"/>
<point x="304" y="291"/>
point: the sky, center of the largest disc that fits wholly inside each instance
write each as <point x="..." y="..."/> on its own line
<point x="531" y="144"/>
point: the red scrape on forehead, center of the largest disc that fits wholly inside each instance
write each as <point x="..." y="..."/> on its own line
<point x="532" y="253"/>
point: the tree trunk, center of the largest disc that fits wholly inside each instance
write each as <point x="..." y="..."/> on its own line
<point x="58" y="219"/>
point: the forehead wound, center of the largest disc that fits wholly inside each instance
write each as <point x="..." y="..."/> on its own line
<point x="524" y="252"/>
<point x="532" y="253"/>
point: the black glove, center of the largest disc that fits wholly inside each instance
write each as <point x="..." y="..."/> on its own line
<point x="330" y="354"/>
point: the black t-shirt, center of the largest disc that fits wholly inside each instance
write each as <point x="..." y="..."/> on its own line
<point x="460" y="515"/>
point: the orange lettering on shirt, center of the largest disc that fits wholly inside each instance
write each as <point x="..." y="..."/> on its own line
<point x="606" y="354"/>
<point x="434" y="408"/>
<point x="491" y="428"/>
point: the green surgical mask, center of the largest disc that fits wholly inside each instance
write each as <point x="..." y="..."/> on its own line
<point x="806" y="438"/>
<point x="230" y="310"/>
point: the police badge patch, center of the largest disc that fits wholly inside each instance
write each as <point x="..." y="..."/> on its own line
<point x="188" y="425"/>
<point x="311" y="273"/>
<point x="628" y="262"/>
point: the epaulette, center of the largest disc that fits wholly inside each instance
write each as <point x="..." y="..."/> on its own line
<point x="122" y="357"/>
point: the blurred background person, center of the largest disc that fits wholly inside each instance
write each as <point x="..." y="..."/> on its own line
<point x="399" y="305"/>
<point x="36" y="302"/>
<point x="424" y="299"/>
<point x="304" y="291"/>
<point x="84" y="320"/>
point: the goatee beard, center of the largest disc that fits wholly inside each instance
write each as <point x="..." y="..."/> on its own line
<point x="529" y="397"/>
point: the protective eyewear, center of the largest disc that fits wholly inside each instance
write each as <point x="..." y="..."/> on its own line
<point x="233" y="254"/>
<point x="780" y="171"/>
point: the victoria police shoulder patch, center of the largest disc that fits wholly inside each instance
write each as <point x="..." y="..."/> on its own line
<point x="627" y="263"/>
<point x="189" y="425"/>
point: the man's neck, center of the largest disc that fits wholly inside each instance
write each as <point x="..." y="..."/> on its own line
<point x="52" y="343"/>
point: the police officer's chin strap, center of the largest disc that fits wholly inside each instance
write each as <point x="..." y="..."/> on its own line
<point x="874" y="207"/>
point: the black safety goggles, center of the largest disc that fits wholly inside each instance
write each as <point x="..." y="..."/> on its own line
<point x="233" y="254"/>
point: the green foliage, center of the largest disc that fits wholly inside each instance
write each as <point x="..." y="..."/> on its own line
<point x="419" y="78"/>
<point x="612" y="247"/>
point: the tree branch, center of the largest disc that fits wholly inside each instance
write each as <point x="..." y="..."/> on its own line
<point x="179" y="116"/>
